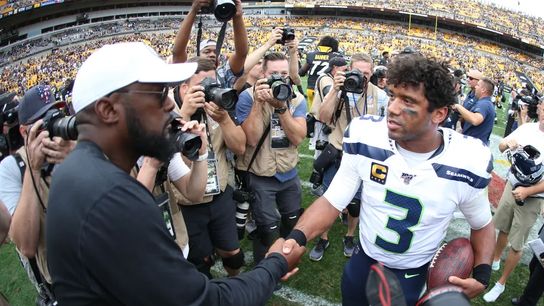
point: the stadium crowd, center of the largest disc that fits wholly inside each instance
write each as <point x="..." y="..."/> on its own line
<point x="214" y="136"/>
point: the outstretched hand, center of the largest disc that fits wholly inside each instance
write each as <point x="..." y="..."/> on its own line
<point x="293" y="255"/>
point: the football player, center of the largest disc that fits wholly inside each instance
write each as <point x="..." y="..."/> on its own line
<point x="413" y="175"/>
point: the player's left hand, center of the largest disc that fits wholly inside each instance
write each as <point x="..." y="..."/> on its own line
<point x="471" y="287"/>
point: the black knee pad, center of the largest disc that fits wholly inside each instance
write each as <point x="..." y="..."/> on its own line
<point x="354" y="208"/>
<point x="268" y="234"/>
<point x="234" y="262"/>
<point x="289" y="221"/>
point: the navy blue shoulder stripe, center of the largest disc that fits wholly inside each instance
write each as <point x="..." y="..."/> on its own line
<point x="460" y="175"/>
<point x="366" y="150"/>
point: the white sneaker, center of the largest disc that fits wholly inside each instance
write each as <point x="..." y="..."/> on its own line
<point x="496" y="265"/>
<point x="493" y="294"/>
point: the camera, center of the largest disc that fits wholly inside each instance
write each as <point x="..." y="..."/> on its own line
<point x="58" y="124"/>
<point x="242" y="198"/>
<point x="186" y="143"/>
<point x="281" y="90"/>
<point x="321" y="144"/>
<point x="288" y="34"/>
<point x="223" y="10"/>
<point x="527" y="168"/>
<point x="225" y="98"/>
<point x="328" y="156"/>
<point x="355" y="82"/>
<point x="8" y="111"/>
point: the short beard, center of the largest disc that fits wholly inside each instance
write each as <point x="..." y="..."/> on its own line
<point x="144" y="143"/>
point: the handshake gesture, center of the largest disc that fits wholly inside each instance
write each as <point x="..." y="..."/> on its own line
<point x="291" y="251"/>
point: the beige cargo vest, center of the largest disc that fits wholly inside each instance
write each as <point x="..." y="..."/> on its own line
<point x="270" y="161"/>
<point x="337" y="134"/>
<point x="322" y="82"/>
<point x="43" y="191"/>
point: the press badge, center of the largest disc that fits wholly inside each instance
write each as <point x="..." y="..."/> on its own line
<point x="278" y="139"/>
<point x="162" y="201"/>
<point x="212" y="185"/>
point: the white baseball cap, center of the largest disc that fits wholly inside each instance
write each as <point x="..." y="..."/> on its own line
<point x="206" y="43"/>
<point x="115" y="66"/>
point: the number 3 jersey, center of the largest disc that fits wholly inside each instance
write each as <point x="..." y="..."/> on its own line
<point x="406" y="210"/>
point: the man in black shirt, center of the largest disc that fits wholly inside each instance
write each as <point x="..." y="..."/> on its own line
<point x="106" y="238"/>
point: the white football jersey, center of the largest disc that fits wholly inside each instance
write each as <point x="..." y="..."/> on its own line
<point x="405" y="211"/>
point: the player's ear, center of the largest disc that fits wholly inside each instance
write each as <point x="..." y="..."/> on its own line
<point x="439" y="115"/>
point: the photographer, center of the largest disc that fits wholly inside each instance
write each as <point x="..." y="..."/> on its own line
<point x="106" y="238"/>
<point x="338" y="108"/>
<point x="273" y="119"/>
<point x="164" y="180"/>
<point x="229" y="71"/>
<point x="253" y="63"/>
<point x="514" y="221"/>
<point x="10" y="138"/>
<point x="25" y="182"/>
<point x="473" y="76"/>
<point x="211" y="220"/>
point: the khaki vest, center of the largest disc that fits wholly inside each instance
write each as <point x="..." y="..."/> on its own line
<point x="337" y="134"/>
<point x="270" y="161"/>
<point x="322" y="82"/>
<point x="43" y="191"/>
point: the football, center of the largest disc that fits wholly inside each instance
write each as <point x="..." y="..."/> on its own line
<point x="452" y="258"/>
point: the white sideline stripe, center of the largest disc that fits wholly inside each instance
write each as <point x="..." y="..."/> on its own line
<point x="287" y="293"/>
<point x="306" y="156"/>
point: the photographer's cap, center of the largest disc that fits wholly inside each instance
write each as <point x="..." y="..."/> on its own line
<point x="206" y="43"/>
<point x="35" y="103"/>
<point x="115" y="66"/>
<point x="337" y="61"/>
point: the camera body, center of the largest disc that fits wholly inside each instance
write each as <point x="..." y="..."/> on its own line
<point x="223" y="10"/>
<point x="355" y="82"/>
<point x="241" y="196"/>
<point x="288" y="34"/>
<point x="281" y="89"/>
<point x="529" y="101"/>
<point x="225" y="98"/>
<point x="320" y="144"/>
<point x="58" y="124"/>
<point x="186" y="143"/>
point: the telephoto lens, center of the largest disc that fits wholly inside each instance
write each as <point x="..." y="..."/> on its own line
<point x="223" y="10"/>
<point x="186" y="143"/>
<point x="60" y="125"/>
<point x="225" y="98"/>
<point x="281" y="90"/>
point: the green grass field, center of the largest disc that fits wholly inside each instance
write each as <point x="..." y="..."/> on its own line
<point x="321" y="279"/>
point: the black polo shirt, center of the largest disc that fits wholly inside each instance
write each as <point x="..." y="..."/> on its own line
<point x="107" y="244"/>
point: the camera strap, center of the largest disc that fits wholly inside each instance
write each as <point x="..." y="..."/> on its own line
<point x="259" y="145"/>
<point x="220" y="38"/>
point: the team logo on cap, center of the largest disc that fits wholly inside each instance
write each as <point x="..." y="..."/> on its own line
<point x="45" y="93"/>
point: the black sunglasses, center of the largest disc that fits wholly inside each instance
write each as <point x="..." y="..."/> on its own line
<point x="162" y="94"/>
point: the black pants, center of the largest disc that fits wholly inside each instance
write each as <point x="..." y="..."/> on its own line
<point x="535" y="285"/>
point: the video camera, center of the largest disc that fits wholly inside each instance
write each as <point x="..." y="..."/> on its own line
<point x="225" y="98"/>
<point x="527" y="168"/>
<point x="223" y="10"/>
<point x="355" y="82"/>
<point x="186" y="143"/>
<point x="288" y="34"/>
<point x="530" y="101"/>
<point x="281" y="89"/>
<point x="58" y="124"/>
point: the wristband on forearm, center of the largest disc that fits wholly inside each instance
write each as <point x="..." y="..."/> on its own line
<point x="298" y="236"/>
<point x="203" y="157"/>
<point x="482" y="273"/>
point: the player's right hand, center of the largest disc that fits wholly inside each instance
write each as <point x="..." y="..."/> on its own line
<point x="293" y="257"/>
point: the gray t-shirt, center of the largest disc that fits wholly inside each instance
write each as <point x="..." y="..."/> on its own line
<point x="11" y="183"/>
